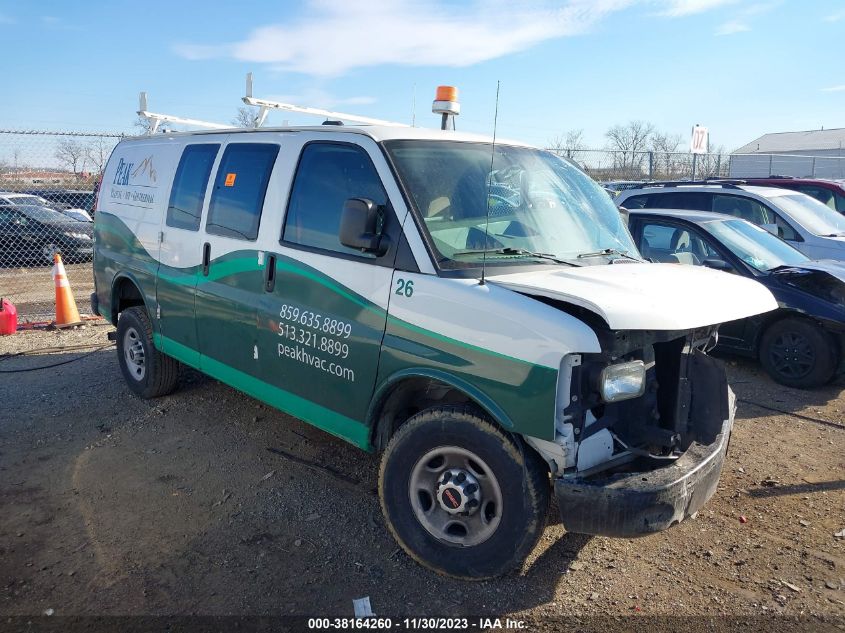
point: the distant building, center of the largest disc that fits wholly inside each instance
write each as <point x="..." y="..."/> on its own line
<point x="812" y="153"/>
<point x="38" y="177"/>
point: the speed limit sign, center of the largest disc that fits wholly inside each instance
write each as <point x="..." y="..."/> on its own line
<point x="699" y="140"/>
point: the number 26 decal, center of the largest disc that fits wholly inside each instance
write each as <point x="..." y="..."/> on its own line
<point x="404" y="288"/>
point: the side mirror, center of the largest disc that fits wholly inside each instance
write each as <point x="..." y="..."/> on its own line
<point x="771" y="228"/>
<point x="359" y="226"/>
<point x="717" y="264"/>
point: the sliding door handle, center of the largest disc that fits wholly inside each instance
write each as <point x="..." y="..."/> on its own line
<point x="270" y="274"/>
<point x="206" y="258"/>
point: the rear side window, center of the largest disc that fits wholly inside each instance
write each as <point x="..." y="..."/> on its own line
<point x="635" y="202"/>
<point x="327" y="176"/>
<point x="825" y="196"/>
<point x="239" y="189"/>
<point x="754" y="212"/>
<point x="687" y="200"/>
<point x="189" y="186"/>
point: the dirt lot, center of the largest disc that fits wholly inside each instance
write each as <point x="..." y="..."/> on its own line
<point x="33" y="293"/>
<point x="207" y="502"/>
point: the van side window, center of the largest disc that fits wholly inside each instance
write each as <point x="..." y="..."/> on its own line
<point x="239" y="189"/>
<point x="189" y="184"/>
<point x="327" y="176"/>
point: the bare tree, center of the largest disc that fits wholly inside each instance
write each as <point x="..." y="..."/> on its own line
<point x="142" y="124"/>
<point x="665" y="147"/>
<point x="97" y="152"/>
<point x="567" y="143"/>
<point x="629" y="142"/>
<point x="70" y="153"/>
<point x="633" y="137"/>
<point x="574" y="140"/>
<point x="244" y="118"/>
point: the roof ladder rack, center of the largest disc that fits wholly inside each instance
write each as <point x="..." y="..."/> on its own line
<point x="265" y="105"/>
<point x="156" y="119"/>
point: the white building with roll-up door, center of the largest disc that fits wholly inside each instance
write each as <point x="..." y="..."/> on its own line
<point x="807" y="154"/>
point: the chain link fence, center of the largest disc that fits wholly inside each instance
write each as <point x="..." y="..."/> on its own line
<point x="48" y="183"/>
<point x="615" y="165"/>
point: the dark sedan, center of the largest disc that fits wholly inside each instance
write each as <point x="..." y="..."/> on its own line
<point x="30" y="233"/>
<point x="801" y="343"/>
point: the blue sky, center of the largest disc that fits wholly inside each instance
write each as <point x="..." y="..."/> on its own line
<point x="742" y="68"/>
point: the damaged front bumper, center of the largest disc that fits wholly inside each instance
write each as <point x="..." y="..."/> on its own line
<point x="638" y="503"/>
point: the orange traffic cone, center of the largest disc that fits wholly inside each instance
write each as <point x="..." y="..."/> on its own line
<point x="66" y="312"/>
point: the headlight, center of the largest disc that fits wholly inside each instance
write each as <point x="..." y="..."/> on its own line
<point x="80" y="236"/>
<point x="622" y="381"/>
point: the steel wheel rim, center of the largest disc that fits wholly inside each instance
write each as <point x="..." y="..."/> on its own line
<point x="49" y="251"/>
<point x="792" y="355"/>
<point x="463" y="529"/>
<point x="133" y="354"/>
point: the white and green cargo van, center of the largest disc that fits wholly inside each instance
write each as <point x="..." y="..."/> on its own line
<point x="335" y="273"/>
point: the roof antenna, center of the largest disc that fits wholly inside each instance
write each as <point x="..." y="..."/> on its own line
<point x="489" y="181"/>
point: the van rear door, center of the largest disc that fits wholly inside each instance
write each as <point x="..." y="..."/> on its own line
<point x="181" y="249"/>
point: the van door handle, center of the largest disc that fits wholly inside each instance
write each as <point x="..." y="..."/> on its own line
<point x="270" y="274"/>
<point x="206" y="258"/>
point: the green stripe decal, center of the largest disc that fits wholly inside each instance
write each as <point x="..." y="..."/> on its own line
<point x="441" y="337"/>
<point x="321" y="417"/>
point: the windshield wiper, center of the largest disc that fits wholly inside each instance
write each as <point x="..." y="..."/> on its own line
<point x="516" y="251"/>
<point x="609" y="251"/>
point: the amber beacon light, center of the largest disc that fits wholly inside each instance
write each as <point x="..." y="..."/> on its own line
<point x="446" y="104"/>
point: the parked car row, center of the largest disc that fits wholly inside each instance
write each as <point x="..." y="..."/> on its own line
<point x="36" y="224"/>
<point x="78" y="205"/>
<point x="799" y="344"/>
<point x="785" y="239"/>
<point x="31" y="234"/>
<point x="810" y="226"/>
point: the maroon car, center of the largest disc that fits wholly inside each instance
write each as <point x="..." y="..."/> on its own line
<point x="830" y="192"/>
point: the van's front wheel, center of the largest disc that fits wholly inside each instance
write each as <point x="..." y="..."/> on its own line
<point x="460" y="496"/>
<point x="148" y="372"/>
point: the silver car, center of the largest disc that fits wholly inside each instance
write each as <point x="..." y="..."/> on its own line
<point x="813" y="228"/>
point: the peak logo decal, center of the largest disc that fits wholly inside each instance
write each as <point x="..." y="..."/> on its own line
<point x="145" y="169"/>
<point x="134" y="184"/>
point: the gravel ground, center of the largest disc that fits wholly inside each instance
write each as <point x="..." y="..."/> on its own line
<point x="208" y="502"/>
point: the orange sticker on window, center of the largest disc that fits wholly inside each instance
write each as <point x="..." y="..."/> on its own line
<point x="230" y="180"/>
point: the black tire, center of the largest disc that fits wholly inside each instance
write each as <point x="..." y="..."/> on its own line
<point x="149" y="374"/>
<point x="798" y="353"/>
<point x="521" y="477"/>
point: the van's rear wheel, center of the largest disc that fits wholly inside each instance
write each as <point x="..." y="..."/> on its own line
<point x="460" y="496"/>
<point x="147" y="372"/>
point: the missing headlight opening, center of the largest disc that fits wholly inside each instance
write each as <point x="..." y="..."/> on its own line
<point x="653" y="393"/>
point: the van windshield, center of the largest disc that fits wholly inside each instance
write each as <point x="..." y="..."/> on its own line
<point x="531" y="201"/>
